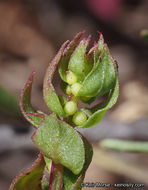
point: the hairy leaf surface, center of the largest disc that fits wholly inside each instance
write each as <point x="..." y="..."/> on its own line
<point x="61" y="143"/>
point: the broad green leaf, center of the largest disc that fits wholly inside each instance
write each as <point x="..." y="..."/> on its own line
<point x="99" y="111"/>
<point x="49" y="93"/>
<point x="31" y="178"/>
<point x="78" y="62"/>
<point x="73" y="182"/>
<point x="63" y="67"/>
<point x="102" y="77"/>
<point x="61" y="143"/>
<point x="35" y="118"/>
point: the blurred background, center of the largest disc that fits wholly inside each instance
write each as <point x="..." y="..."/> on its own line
<point x="31" y="32"/>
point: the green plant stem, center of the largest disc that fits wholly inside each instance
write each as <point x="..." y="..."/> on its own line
<point x="123" y="145"/>
<point x="57" y="178"/>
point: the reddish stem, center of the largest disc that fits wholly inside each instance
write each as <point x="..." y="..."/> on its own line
<point x="51" y="175"/>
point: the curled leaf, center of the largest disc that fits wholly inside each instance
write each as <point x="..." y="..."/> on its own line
<point x="98" y="111"/>
<point x="31" y="178"/>
<point x="35" y="118"/>
<point x="49" y="93"/>
<point x="102" y="77"/>
<point x="78" y="63"/>
<point x="63" y="67"/>
<point x="98" y="48"/>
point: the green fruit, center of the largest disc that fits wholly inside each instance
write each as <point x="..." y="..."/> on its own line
<point x="79" y="118"/>
<point x="71" y="78"/>
<point x="70" y="107"/>
<point x="75" y="88"/>
<point x="68" y="90"/>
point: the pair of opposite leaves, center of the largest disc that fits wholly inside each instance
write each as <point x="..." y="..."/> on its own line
<point x="57" y="140"/>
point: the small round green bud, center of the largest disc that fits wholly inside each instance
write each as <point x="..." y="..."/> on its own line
<point x="75" y="88"/>
<point x="70" y="107"/>
<point x="71" y="78"/>
<point x="68" y="90"/>
<point x="79" y="118"/>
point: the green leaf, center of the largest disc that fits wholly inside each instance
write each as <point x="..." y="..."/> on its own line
<point x="87" y="100"/>
<point x="35" y="118"/>
<point x="49" y="93"/>
<point x="98" y="48"/>
<point x="45" y="184"/>
<point x="99" y="111"/>
<point x="63" y="100"/>
<point x="102" y="77"/>
<point x="61" y="143"/>
<point x="31" y="178"/>
<point x="63" y="67"/>
<point x="72" y="181"/>
<point x="78" y="62"/>
<point x="63" y="86"/>
<point x="48" y="163"/>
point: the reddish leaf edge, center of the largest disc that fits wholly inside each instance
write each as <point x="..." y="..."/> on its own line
<point x="39" y="159"/>
<point x="51" y="175"/>
<point x="28" y="86"/>
<point x="76" y="39"/>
